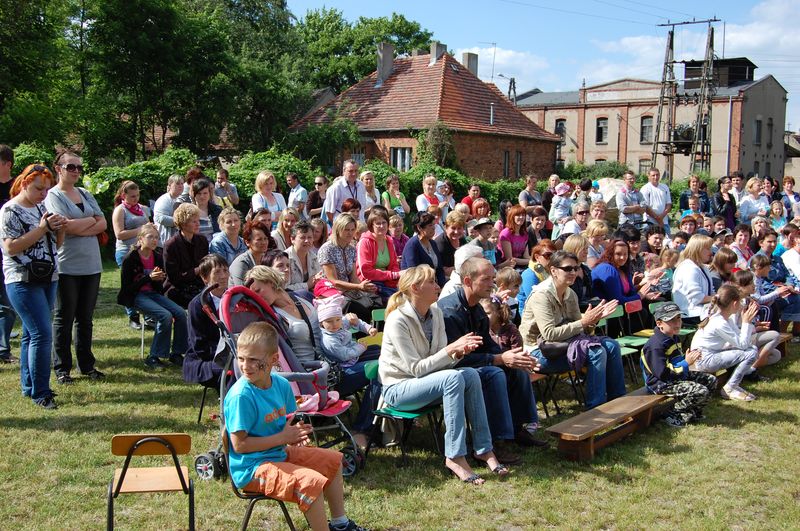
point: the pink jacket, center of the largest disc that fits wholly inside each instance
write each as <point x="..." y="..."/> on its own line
<point x="367" y="249"/>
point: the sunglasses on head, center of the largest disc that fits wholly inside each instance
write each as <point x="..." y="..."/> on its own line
<point x="569" y="269"/>
<point x="72" y="167"/>
<point x="37" y="168"/>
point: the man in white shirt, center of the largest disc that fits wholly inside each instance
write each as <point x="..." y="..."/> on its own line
<point x="658" y="198"/>
<point x="298" y="196"/>
<point x="165" y="206"/>
<point x="345" y="187"/>
<point x="737" y="189"/>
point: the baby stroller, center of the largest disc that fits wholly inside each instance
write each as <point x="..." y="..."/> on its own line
<point x="239" y="307"/>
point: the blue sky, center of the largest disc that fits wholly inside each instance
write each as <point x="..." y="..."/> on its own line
<point x="556" y="45"/>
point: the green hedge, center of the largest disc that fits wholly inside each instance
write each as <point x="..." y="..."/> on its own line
<point x="243" y="173"/>
<point x="151" y="176"/>
<point x="25" y="154"/>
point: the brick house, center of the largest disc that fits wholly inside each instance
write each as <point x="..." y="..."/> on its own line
<point x="615" y="121"/>
<point x="492" y="139"/>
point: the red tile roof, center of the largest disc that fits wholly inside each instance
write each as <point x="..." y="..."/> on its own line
<point x="417" y="94"/>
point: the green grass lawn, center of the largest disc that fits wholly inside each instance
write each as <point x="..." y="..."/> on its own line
<point x="736" y="469"/>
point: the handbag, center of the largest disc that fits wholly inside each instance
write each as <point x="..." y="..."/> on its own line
<point x="37" y="270"/>
<point x="553" y="349"/>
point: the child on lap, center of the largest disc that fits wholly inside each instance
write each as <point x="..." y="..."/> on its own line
<point x="267" y="453"/>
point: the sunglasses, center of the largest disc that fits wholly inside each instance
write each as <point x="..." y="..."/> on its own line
<point x="73" y="167"/>
<point x="582" y="213"/>
<point x="37" y="168"/>
<point x="318" y="184"/>
<point x="547" y="255"/>
<point x="569" y="269"/>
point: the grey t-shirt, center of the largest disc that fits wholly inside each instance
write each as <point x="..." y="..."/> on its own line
<point x="16" y="221"/>
<point x="79" y="255"/>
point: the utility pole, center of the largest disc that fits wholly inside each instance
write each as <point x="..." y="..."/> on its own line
<point x="700" y="143"/>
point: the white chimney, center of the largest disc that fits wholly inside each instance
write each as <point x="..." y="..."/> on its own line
<point x="437" y="50"/>
<point x="385" y="62"/>
<point x="470" y="60"/>
<point x="491" y="114"/>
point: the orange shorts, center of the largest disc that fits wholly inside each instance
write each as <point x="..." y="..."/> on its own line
<point x="301" y="478"/>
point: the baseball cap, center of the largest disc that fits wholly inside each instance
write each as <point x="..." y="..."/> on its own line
<point x="666" y="312"/>
<point x="483" y="221"/>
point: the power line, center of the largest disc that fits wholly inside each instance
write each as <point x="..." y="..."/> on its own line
<point x="579" y="13"/>
<point x="657" y="7"/>
<point x="629" y="9"/>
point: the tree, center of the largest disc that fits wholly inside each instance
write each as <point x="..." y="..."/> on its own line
<point x="338" y="53"/>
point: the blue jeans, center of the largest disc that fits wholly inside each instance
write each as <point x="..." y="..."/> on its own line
<point x="460" y="393"/>
<point x="605" y="379"/>
<point x="170" y="323"/>
<point x="34" y="305"/>
<point x="353" y="379"/>
<point x="383" y="290"/>
<point x="7" y="319"/>
<point x="119" y="256"/>
<point x="509" y="400"/>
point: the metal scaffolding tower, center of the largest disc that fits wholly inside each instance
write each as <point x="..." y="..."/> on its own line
<point x="694" y="139"/>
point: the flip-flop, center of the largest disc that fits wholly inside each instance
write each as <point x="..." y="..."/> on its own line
<point x="500" y="471"/>
<point x="472" y="479"/>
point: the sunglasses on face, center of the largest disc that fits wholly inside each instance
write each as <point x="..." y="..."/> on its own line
<point x="582" y="213"/>
<point x="569" y="269"/>
<point x="547" y="255"/>
<point x="73" y="167"/>
<point x="318" y="184"/>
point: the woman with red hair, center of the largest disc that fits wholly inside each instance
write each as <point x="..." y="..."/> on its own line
<point x="514" y="237"/>
<point x="481" y="208"/>
<point x="31" y="238"/>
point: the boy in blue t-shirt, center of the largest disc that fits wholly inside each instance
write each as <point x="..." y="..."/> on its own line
<point x="267" y="453"/>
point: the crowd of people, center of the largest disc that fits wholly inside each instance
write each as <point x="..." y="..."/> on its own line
<point x="474" y="302"/>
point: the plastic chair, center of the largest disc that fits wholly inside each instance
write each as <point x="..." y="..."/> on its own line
<point x="405" y="418"/>
<point x="150" y="479"/>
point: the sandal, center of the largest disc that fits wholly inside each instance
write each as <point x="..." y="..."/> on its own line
<point x="500" y="470"/>
<point x="473" y="479"/>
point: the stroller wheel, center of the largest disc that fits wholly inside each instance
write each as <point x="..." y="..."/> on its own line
<point x="351" y="462"/>
<point x="204" y="465"/>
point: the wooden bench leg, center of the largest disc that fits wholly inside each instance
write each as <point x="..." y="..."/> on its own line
<point x="577" y="450"/>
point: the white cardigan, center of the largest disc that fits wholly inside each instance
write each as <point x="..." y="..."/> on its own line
<point x="405" y="352"/>
<point x="722" y="334"/>
<point x="690" y="284"/>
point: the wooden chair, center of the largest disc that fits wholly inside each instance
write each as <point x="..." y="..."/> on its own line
<point x="151" y="479"/>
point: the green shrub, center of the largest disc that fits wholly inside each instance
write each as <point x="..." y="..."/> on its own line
<point x="151" y="176"/>
<point x="243" y="173"/>
<point x="25" y="154"/>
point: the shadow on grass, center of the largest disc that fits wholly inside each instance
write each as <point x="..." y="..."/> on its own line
<point x="115" y="423"/>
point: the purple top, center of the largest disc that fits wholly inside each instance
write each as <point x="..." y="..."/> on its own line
<point x="519" y="242"/>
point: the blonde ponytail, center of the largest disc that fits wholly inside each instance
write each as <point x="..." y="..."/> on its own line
<point x="413" y="276"/>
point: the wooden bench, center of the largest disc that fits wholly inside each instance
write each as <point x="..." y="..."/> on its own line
<point x="580" y="436"/>
<point x="784" y="340"/>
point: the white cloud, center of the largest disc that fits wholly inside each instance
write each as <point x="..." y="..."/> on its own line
<point x="769" y="39"/>
<point x="526" y="68"/>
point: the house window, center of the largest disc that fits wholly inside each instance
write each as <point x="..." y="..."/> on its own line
<point x="506" y="162"/>
<point x="769" y="134"/>
<point x="757" y="133"/>
<point x="644" y="166"/>
<point x="519" y="164"/>
<point x="561" y="129"/>
<point x="646" y="130"/>
<point x="358" y="154"/>
<point x="756" y="167"/>
<point x="601" y="131"/>
<point x="400" y="158"/>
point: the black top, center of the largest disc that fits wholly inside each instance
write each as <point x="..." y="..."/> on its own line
<point x="314" y="201"/>
<point x="446" y="250"/>
<point x="461" y="319"/>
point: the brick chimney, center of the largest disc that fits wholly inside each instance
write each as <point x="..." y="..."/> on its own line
<point x="470" y="60"/>
<point x="385" y="62"/>
<point x="437" y="50"/>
